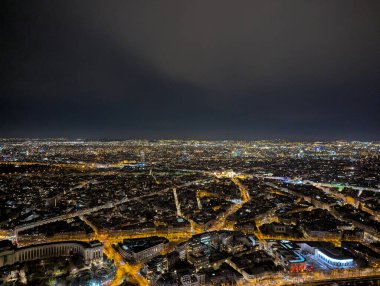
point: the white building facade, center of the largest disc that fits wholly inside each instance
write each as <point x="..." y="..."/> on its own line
<point x="91" y="252"/>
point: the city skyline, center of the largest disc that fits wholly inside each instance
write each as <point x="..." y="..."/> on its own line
<point x="139" y="212"/>
<point x="190" y="143"/>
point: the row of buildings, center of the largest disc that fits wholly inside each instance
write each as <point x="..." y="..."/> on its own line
<point x="10" y="254"/>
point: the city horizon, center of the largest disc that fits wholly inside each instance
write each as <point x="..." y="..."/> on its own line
<point x="190" y="139"/>
<point x="190" y="143"/>
<point x="144" y="212"/>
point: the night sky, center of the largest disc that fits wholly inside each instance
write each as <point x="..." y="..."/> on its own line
<point x="297" y="70"/>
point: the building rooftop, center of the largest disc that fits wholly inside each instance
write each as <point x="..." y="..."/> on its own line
<point x="139" y="244"/>
<point x="336" y="253"/>
<point x="90" y="244"/>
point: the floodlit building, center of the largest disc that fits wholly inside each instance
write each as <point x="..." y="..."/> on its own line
<point x="287" y="255"/>
<point x="334" y="257"/>
<point x="7" y="251"/>
<point x="142" y="249"/>
<point x="90" y="251"/>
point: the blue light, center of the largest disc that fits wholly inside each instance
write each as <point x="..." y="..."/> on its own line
<point x="300" y="258"/>
<point x="338" y="263"/>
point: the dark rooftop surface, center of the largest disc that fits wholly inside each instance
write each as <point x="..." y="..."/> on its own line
<point x="139" y="244"/>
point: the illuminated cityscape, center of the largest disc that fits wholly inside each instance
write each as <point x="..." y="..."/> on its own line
<point x="172" y="212"/>
<point x="190" y="143"/>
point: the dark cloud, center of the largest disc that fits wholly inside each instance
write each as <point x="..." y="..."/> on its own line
<point x="202" y="69"/>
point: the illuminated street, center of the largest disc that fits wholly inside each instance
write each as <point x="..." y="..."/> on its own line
<point x="190" y="143"/>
